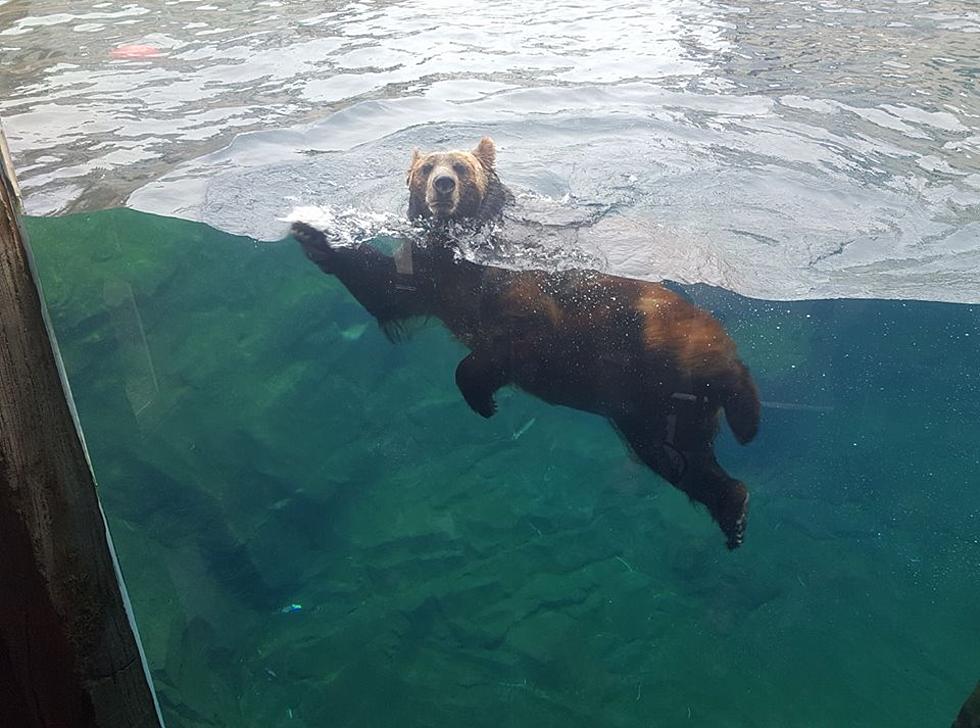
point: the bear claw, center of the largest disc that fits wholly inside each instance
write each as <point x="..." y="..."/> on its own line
<point x="736" y="533"/>
<point x="314" y="244"/>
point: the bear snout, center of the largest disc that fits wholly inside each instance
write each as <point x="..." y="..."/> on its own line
<point x="444" y="184"/>
<point x="442" y="193"/>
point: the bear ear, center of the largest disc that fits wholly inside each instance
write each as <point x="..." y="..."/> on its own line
<point x="416" y="156"/>
<point x="486" y="152"/>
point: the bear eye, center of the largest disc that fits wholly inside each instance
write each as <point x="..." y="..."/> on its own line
<point x="460" y="169"/>
<point x="425" y="168"/>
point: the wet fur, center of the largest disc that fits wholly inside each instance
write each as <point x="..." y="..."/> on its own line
<point x="479" y="196"/>
<point x="659" y="368"/>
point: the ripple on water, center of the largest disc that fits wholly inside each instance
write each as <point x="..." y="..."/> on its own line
<point x="783" y="150"/>
<point x="699" y="190"/>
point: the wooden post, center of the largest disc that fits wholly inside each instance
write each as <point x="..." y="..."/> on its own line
<point x="69" y="652"/>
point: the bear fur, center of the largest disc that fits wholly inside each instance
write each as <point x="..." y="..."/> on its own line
<point x="457" y="186"/>
<point x="657" y="367"/>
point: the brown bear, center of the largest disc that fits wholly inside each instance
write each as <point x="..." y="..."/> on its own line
<point x="457" y="186"/>
<point x="659" y="368"/>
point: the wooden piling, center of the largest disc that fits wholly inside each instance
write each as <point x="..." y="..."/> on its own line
<point x="69" y="652"/>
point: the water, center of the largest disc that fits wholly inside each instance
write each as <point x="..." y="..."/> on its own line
<point x="522" y="570"/>
<point x="314" y="528"/>
<point x="783" y="150"/>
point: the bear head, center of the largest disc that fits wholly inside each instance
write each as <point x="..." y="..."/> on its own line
<point x="456" y="186"/>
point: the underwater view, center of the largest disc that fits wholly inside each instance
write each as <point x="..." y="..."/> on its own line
<point x="315" y="524"/>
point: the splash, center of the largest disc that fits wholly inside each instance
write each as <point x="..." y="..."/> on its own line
<point x="351" y="226"/>
<point x="539" y="232"/>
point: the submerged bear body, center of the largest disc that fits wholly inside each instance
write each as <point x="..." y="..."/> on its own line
<point x="659" y="368"/>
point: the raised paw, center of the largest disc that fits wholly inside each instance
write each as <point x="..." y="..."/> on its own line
<point x="305" y="233"/>
<point x="314" y="243"/>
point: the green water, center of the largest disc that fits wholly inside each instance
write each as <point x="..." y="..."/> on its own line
<point x="259" y="443"/>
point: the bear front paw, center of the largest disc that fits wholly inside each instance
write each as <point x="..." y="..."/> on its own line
<point x="486" y="407"/>
<point x="314" y="243"/>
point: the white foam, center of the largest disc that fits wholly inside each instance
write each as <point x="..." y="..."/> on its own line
<point x="349" y="226"/>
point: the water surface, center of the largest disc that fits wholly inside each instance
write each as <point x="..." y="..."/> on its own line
<point x="782" y="150"/>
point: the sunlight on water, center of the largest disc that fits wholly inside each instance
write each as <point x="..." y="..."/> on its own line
<point x="786" y="150"/>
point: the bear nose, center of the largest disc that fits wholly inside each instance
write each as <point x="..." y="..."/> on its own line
<point x="444" y="184"/>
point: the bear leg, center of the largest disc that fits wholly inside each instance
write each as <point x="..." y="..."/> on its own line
<point x="478" y="377"/>
<point x="692" y="468"/>
<point x="727" y="499"/>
